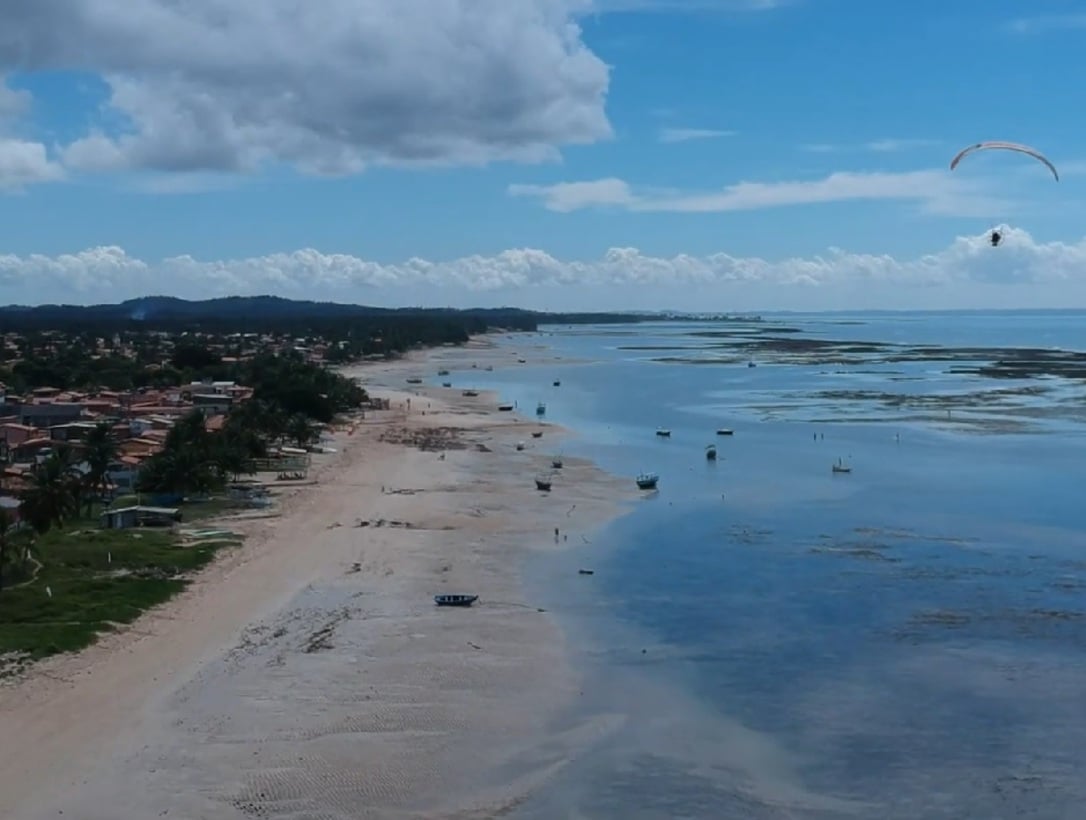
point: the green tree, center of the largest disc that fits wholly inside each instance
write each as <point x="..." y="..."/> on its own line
<point x="100" y="452"/>
<point x="53" y="496"/>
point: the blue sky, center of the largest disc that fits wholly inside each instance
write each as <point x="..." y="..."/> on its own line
<point x="709" y="154"/>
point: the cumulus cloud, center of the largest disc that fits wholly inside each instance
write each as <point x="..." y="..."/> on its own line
<point x="687" y="134"/>
<point x="936" y="191"/>
<point x="22" y="162"/>
<point x="25" y="163"/>
<point x="622" y="277"/>
<point x="327" y="87"/>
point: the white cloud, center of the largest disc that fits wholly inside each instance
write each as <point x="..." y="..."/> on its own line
<point x="13" y="102"/>
<point x="935" y="191"/>
<point x="22" y="162"/>
<point x="573" y="196"/>
<point x="1047" y="22"/>
<point x="886" y="145"/>
<point x="687" y="134"/>
<point x="890" y="145"/>
<point x="25" y="163"/>
<point x="327" y="87"/>
<point x="672" y="6"/>
<point x="1020" y="272"/>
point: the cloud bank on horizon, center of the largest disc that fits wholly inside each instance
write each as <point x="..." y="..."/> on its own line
<point x="1020" y="274"/>
<point x="705" y="132"/>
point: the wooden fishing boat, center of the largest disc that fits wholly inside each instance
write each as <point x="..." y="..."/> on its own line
<point x="647" y="481"/>
<point x="455" y="600"/>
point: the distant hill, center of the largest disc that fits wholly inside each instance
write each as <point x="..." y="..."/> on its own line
<point x="168" y="308"/>
<point x="258" y="313"/>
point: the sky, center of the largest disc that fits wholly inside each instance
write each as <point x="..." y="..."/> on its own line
<point x="706" y="155"/>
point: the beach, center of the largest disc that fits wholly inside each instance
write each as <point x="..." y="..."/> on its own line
<point x="308" y="673"/>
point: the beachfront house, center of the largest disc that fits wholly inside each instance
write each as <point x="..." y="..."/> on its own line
<point x="124" y="518"/>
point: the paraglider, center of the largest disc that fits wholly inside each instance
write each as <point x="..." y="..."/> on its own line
<point x="996" y="236"/>
<point x="1006" y="146"/>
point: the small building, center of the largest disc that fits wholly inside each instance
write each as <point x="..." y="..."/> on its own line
<point x="11" y="506"/>
<point x="125" y="518"/>
<point x="49" y="415"/>
<point x="213" y="404"/>
<point x="72" y="431"/>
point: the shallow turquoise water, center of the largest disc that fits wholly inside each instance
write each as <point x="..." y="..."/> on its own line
<point x="908" y="640"/>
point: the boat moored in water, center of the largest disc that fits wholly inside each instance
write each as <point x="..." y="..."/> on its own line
<point x="663" y="432"/>
<point x="725" y="431"/>
<point x="710" y="452"/>
<point x="647" y="481"/>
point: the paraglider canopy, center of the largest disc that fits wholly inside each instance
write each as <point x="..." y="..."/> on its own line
<point x="1006" y="146"/>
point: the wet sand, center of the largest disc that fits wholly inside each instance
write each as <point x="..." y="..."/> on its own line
<point x="308" y="673"/>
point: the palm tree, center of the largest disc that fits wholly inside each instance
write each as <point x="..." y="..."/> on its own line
<point x="100" y="452"/>
<point x="301" y="431"/>
<point x="54" y="493"/>
<point x="6" y="525"/>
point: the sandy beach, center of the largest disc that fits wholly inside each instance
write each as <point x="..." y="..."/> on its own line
<point x="308" y="673"/>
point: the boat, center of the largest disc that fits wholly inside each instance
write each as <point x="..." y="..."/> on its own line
<point x="710" y="452"/>
<point x="725" y="431"/>
<point x="540" y="409"/>
<point x="414" y="381"/>
<point x="520" y="445"/>
<point x="647" y="481"/>
<point x="751" y="364"/>
<point x="505" y="408"/>
<point x="543" y="485"/>
<point x="446" y="384"/>
<point x="470" y="393"/>
<point x="586" y="572"/>
<point x="556" y="462"/>
<point x="455" y="600"/>
<point x="522" y="361"/>
<point x="840" y="467"/>
<point x="537" y="434"/>
<point x="663" y="433"/>
<point x="488" y="368"/>
<point x="557" y="383"/>
<point x="443" y="372"/>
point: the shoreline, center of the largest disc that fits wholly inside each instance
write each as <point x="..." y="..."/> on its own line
<point x="309" y="666"/>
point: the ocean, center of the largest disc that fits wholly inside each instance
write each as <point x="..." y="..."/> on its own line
<point x="765" y="638"/>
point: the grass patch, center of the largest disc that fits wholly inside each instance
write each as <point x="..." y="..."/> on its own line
<point x="99" y="579"/>
<point x="201" y="510"/>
